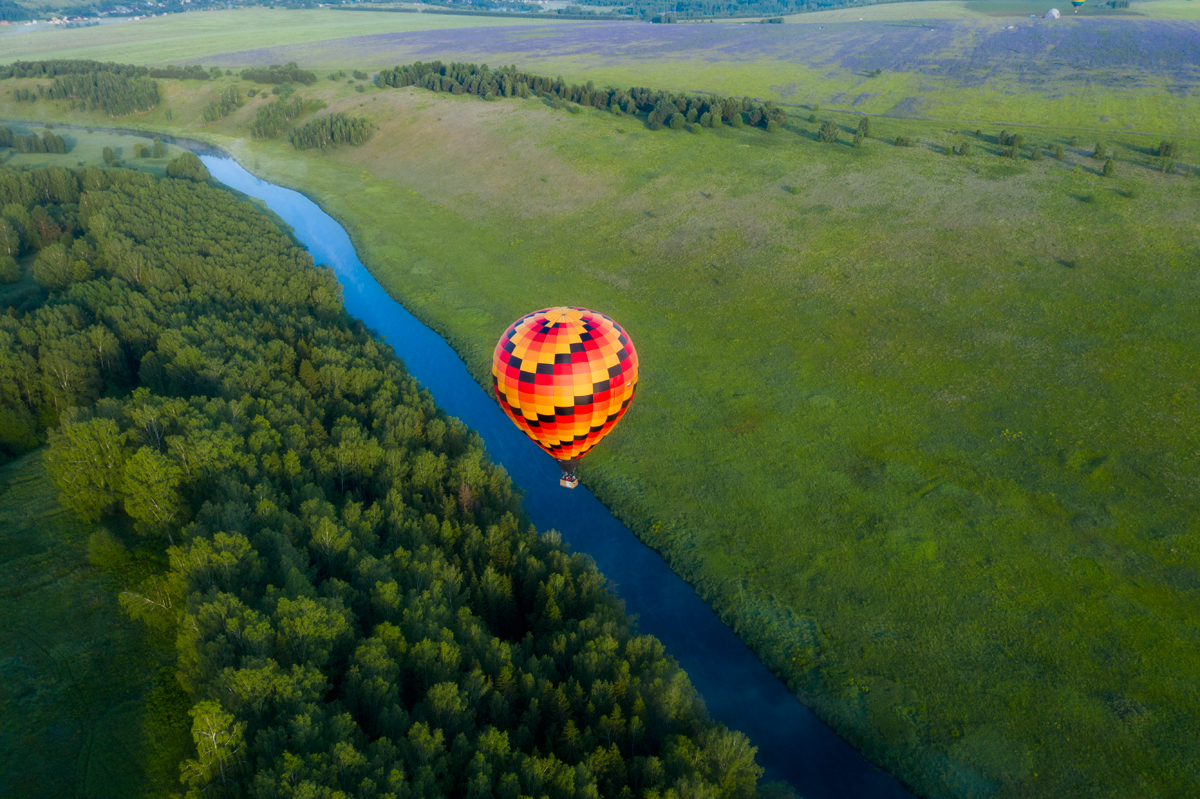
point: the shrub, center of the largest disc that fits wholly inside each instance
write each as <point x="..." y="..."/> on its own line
<point x="1073" y="141"/>
<point x="964" y="148"/>
<point x="858" y="140"/>
<point x="772" y="126"/>
<point x="904" y="141"/>
<point x="360" y="88"/>
<point x="812" y="118"/>
<point x="696" y="127"/>
<point x="1168" y="166"/>
<point x="359" y="75"/>
<point x="1058" y="152"/>
<point x="706" y="120"/>
<point x="815" y="107"/>
<point x="828" y="132"/>
<point x="1110" y="166"/>
<point x="1036" y="153"/>
<point x="691" y="115"/>
<point x="159" y="150"/>
<point x="676" y="121"/>
<point x="864" y="127"/>
<point x="1101" y="151"/>
<point x="108" y="155"/>
<point x="736" y="120"/>
<point x="1167" y="149"/>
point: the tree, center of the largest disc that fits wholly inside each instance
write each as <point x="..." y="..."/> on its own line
<point x="151" y="482"/>
<point x="53" y="268"/>
<point x="108" y="155"/>
<point x="187" y="166"/>
<point x="220" y="757"/>
<point x="159" y="149"/>
<point x="1058" y="152"/>
<point x="1101" y="151"/>
<point x="1110" y="166"/>
<point x="864" y="127"/>
<point x="10" y="239"/>
<point x="676" y="121"/>
<point x="86" y="462"/>
<point x="828" y="132"/>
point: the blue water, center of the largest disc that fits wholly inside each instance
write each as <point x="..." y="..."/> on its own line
<point x="737" y="688"/>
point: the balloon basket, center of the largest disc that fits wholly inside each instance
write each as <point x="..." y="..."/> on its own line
<point x="568" y="479"/>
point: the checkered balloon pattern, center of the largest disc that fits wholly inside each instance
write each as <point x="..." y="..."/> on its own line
<point x="565" y="376"/>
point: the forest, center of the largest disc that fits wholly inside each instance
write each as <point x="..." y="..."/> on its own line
<point x="330" y="131"/>
<point x="360" y="606"/>
<point x="662" y="108"/>
<point x="115" y="89"/>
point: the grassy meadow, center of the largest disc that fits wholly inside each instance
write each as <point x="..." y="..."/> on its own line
<point x="79" y="677"/>
<point x="921" y="427"/>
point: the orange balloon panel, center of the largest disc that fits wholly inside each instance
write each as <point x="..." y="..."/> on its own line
<point x="565" y="376"/>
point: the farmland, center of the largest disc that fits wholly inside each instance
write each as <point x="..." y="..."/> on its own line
<point x="921" y="427"/>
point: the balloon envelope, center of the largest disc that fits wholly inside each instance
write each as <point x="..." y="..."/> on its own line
<point x="565" y="377"/>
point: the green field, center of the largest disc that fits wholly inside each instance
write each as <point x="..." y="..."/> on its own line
<point x="187" y="38"/>
<point x="79" y="678"/>
<point x="921" y="427"/>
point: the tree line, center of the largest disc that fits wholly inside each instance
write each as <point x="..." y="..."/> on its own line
<point x="330" y="131"/>
<point x="360" y="606"/>
<point x="272" y="119"/>
<point x="662" y="109"/>
<point x="288" y="73"/>
<point x="46" y="143"/>
<point x="114" y="93"/>
<point x="56" y="67"/>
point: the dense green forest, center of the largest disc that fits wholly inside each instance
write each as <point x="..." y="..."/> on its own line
<point x="360" y="606"/>
<point x="330" y="131"/>
<point x="116" y="89"/>
<point x="662" y="109"/>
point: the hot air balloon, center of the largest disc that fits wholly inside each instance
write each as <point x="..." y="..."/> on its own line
<point x="565" y="377"/>
<point x="1077" y="4"/>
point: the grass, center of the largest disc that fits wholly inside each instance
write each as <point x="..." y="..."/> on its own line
<point x="921" y="428"/>
<point x="188" y="38"/>
<point x="931" y="71"/>
<point x="81" y="682"/>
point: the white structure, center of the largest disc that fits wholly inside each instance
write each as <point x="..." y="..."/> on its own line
<point x="1052" y="14"/>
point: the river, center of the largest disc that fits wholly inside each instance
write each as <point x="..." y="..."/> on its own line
<point x="793" y="745"/>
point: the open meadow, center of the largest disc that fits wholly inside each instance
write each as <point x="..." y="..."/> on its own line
<point x="922" y="427"/>
<point x="80" y="679"/>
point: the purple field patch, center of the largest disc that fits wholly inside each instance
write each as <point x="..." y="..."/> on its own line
<point x="1036" y="52"/>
